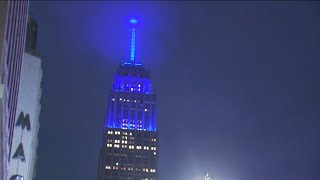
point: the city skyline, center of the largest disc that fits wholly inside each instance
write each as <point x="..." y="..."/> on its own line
<point x="237" y="85"/>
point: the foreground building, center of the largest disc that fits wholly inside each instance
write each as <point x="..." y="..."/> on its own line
<point x="26" y="127"/>
<point x="130" y="147"/>
<point x="13" y="27"/>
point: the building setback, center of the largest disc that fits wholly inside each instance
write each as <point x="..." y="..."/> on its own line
<point x="130" y="143"/>
<point x="25" y="136"/>
<point x="13" y="27"/>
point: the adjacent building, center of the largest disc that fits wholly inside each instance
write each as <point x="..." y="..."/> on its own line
<point x="26" y="127"/>
<point x="13" y="27"/>
<point x="130" y="143"/>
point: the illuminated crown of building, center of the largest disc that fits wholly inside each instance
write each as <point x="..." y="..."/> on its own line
<point x="133" y="88"/>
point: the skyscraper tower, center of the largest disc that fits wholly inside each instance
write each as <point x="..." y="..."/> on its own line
<point x="13" y="27"/>
<point x="130" y="145"/>
<point x="25" y="136"/>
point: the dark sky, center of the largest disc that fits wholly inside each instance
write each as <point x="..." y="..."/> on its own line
<point x="237" y="84"/>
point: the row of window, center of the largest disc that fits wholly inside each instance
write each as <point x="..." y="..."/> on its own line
<point x="132" y="147"/>
<point x="118" y="133"/>
<point x="132" y="124"/>
<point x="136" y="101"/>
<point x="126" y="120"/>
<point x="125" y="135"/>
<point x="131" y="169"/>
<point x="139" y="129"/>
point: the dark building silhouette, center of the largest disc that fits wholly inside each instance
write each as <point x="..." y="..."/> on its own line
<point x="32" y="34"/>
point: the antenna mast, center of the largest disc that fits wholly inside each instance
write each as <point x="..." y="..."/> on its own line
<point x="133" y="23"/>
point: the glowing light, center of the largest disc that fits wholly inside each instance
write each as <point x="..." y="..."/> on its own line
<point x="133" y="21"/>
<point x="132" y="61"/>
<point x="133" y="45"/>
<point x="207" y="177"/>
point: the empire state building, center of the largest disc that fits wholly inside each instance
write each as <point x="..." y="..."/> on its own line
<point x="130" y="142"/>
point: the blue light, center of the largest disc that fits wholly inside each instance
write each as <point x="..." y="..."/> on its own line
<point x="139" y="85"/>
<point x="133" y="45"/>
<point x="134" y="91"/>
<point x="120" y="118"/>
<point x="133" y="21"/>
<point x="132" y="57"/>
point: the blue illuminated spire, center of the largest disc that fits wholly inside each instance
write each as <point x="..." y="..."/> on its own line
<point x="132" y="88"/>
<point x="133" y="23"/>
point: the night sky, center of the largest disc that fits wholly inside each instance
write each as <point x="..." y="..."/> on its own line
<point x="237" y="83"/>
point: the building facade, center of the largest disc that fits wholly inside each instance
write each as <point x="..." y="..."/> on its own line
<point x="13" y="27"/>
<point x="130" y="145"/>
<point x="26" y="127"/>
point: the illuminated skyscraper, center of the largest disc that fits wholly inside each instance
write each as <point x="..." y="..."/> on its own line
<point x="13" y="27"/>
<point x="130" y="146"/>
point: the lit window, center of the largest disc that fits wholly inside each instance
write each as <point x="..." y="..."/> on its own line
<point x="131" y="89"/>
<point x="128" y="100"/>
<point x="120" y="99"/>
<point x="112" y="99"/>
<point x="145" y="109"/>
<point x="139" y="85"/>
<point x="109" y="145"/>
<point x="108" y="167"/>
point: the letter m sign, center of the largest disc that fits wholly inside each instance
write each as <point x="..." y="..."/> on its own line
<point x="23" y="121"/>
